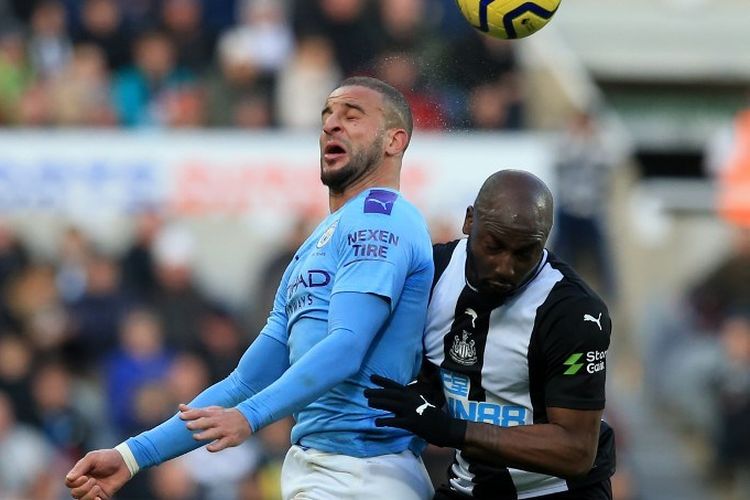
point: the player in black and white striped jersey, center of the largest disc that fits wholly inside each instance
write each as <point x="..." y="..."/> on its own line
<point x="516" y="346"/>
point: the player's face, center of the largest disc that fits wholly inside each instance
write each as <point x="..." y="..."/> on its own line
<point x="352" y="136"/>
<point x="500" y="256"/>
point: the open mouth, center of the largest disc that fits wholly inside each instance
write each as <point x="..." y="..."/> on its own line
<point x="333" y="151"/>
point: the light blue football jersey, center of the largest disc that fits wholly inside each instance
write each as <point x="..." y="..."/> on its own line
<point x="376" y="243"/>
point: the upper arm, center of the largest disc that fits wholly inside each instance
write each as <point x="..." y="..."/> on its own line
<point x="276" y="324"/>
<point x="575" y="355"/>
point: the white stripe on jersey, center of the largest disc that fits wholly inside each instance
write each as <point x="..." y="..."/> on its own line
<point x="505" y="372"/>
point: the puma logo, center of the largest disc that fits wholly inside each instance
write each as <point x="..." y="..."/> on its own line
<point x="383" y="204"/>
<point x="588" y="317"/>
<point x="471" y="312"/>
<point x="422" y="408"/>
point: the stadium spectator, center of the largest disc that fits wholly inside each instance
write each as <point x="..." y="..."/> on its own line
<point x="584" y="168"/>
<point x="240" y="94"/>
<point x="725" y="287"/>
<point x="16" y="75"/>
<point x="402" y="71"/>
<point x="16" y="354"/>
<point x="26" y="458"/>
<point x="155" y="90"/>
<point x="350" y="25"/>
<point x="142" y="359"/>
<point x="102" y="24"/>
<point x="179" y="304"/>
<point x="304" y="81"/>
<point x="64" y="425"/>
<point x="181" y="20"/>
<point x="49" y="45"/>
<point x="137" y="263"/>
<point x="80" y="94"/>
<point x="96" y="315"/>
<point x="14" y="257"/>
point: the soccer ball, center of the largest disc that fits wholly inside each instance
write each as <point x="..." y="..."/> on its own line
<point x="508" y="19"/>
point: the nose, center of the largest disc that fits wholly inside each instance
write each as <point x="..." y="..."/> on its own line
<point x="331" y="124"/>
<point x="504" y="268"/>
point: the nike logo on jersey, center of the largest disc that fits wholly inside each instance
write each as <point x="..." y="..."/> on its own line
<point x="588" y="317"/>
<point x="421" y="408"/>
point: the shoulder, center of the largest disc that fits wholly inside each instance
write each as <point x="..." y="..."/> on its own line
<point x="386" y="210"/>
<point x="441" y="256"/>
<point x="572" y="304"/>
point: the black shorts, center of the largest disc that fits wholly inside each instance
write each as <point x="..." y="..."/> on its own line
<point x="597" y="491"/>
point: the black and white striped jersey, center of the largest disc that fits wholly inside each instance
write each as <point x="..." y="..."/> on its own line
<point x="504" y="361"/>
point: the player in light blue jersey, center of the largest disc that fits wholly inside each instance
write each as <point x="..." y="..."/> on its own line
<point x="351" y="304"/>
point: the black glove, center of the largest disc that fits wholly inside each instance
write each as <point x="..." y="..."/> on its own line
<point x="414" y="413"/>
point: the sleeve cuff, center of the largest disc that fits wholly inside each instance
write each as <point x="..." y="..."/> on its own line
<point x="127" y="455"/>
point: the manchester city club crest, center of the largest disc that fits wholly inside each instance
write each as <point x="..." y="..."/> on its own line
<point x="463" y="351"/>
<point x="327" y="234"/>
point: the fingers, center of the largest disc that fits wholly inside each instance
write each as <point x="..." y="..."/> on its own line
<point x="392" y="422"/>
<point x="220" y="444"/>
<point x="200" y="424"/>
<point x="82" y="467"/>
<point x="385" y="382"/>
<point x="188" y="413"/>
<point x="385" y="404"/>
<point x="395" y="394"/>
<point x="96" y="493"/>
<point x="209" y="434"/>
<point x="81" y="490"/>
<point x="75" y="482"/>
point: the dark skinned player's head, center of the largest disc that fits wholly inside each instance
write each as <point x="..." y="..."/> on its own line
<point x="508" y="226"/>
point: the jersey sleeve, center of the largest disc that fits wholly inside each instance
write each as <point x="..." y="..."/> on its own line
<point x="575" y="353"/>
<point x="276" y="324"/>
<point x="374" y="254"/>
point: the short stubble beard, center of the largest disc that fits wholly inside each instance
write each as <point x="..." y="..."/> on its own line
<point x="360" y="164"/>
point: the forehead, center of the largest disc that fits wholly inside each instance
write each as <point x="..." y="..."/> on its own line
<point x="362" y="96"/>
<point x="518" y="232"/>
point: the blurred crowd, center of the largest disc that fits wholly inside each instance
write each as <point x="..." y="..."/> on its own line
<point x="245" y="63"/>
<point x="697" y="355"/>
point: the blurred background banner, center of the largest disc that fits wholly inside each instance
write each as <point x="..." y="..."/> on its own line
<point x="264" y="178"/>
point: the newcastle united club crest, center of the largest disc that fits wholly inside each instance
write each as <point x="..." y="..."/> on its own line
<point x="464" y="351"/>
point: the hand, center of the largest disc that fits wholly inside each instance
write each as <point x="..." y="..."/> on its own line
<point x="98" y="475"/>
<point x="414" y="413"/>
<point x="225" y="427"/>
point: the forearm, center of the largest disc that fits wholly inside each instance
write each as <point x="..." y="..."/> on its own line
<point x="545" y="448"/>
<point x="171" y="438"/>
<point x="354" y="320"/>
<point x="264" y="361"/>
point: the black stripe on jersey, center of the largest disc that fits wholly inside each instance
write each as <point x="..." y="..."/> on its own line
<point x="441" y="256"/>
<point x="464" y="344"/>
<point x="464" y="353"/>
<point x="492" y="483"/>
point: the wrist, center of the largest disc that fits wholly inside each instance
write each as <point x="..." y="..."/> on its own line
<point x="455" y="436"/>
<point x="127" y="456"/>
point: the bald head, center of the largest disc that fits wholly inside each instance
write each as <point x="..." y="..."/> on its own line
<point x="515" y="199"/>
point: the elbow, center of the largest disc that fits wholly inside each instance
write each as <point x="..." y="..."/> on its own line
<point x="350" y="364"/>
<point x="578" y="464"/>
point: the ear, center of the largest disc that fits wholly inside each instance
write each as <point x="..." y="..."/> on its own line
<point x="396" y="142"/>
<point x="468" y="220"/>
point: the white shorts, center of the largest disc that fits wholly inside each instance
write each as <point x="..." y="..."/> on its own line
<point x="308" y="474"/>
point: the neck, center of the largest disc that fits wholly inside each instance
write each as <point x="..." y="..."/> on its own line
<point x="379" y="177"/>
